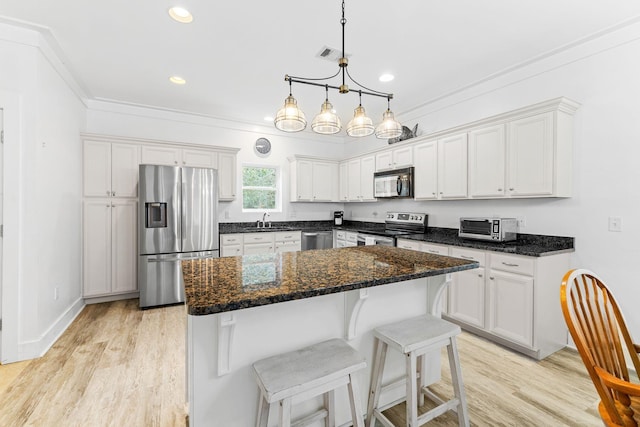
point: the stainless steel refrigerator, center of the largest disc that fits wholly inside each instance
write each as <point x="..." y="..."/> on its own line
<point x="177" y="220"/>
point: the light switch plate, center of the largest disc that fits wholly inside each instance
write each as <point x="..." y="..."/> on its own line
<point x="615" y="223"/>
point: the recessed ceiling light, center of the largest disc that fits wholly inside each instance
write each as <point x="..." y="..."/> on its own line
<point x="386" y="77"/>
<point x="180" y="14"/>
<point x="177" y="80"/>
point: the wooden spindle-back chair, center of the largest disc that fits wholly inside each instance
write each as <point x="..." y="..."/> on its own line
<point x="602" y="339"/>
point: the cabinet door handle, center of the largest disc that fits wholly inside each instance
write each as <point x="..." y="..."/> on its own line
<point x="467" y="257"/>
<point x="113" y="194"/>
<point x="175" y="162"/>
<point x="479" y="275"/>
<point x="511" y="189"/>
<point x="441" y="192"/>
<point x="499" y="189"/>
<point x="508" y="264"/>
<point x="491" y="277"/>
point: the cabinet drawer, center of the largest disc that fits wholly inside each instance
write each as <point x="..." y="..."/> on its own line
<point x="231" y="250"/>
<point x="351" y="237"/>
<point x="231" y="239"/>
<point x="287" y="236"/>
<point x="512" y="263"/>
<point x="258" y="237"/>
<point x="341" y="234"/>
<point x="408" y="244"/>
<point x="470" y="254"/>
<point x="434" y="249"/>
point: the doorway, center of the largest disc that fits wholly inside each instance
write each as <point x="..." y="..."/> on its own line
<point x="1" y="217"/>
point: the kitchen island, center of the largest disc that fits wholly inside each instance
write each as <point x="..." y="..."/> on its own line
<point x="242" y="309"/>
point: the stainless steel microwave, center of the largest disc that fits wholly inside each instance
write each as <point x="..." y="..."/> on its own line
<point x="397" y="183"/>
<point x="494" y="229"/>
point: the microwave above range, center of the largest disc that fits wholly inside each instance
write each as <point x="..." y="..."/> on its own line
<point x="494" y="229"/>
<point x="397" y="183"/>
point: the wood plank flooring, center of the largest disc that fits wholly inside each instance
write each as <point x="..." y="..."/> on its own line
<point x="117" y="366"/>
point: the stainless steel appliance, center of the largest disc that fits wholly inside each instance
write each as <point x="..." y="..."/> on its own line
<point x="494" y="229"/>
<point x="397" y="183"/>
<point x="178" y="220"/>
<point x="396" y="224"/>
<point x="317" y="240"/>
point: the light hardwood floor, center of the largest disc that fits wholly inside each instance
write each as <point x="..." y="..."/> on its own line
<point x="119" y="366"/>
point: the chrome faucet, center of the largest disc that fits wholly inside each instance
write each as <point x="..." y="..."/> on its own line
<point x="263" y="224"/>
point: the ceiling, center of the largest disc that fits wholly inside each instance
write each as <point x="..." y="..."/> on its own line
<point x="234" y="55"/>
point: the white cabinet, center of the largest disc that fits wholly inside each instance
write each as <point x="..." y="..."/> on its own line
<point x="343" y="177"/>
<point x="441" y="168"/>
<point x="258" y="243"/>
<point x="109" y="247"/>
<point x="511" y="306"/>
<point x="226" y="176"/>
<point x="487" y="162"/>
<point x="176" y="156"/>
<point x="313" y="180"/>
<point x="531" y="156"/>
<point x="110" y="169"/>
<point x="467" y="289"/>
<point x="395" y="158"/>
<point x="343" y="239"/>
<point x="452" y="167"/>
<point x="360" y="179"/>
<point x="231" y="245"/>
<point x="426" y="170"/>
<point x="288" y="241"/>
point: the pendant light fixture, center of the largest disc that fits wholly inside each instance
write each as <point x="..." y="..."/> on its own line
<point x="291" y="119"/>
<point x="327" y="121"/>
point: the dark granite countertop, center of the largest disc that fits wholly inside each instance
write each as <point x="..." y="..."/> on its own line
<point x="215" y="285"/>
<point x="526" y="244"/>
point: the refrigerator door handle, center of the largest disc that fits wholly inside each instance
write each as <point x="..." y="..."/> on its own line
<point x="165" y="259"/>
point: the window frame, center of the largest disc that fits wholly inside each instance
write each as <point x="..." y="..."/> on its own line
<point x="277" y="188"/>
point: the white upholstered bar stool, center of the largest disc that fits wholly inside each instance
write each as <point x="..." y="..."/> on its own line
<point x="312" y="371"/>
<point x="415" y="338"/>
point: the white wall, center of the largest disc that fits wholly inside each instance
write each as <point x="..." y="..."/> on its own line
<point x="42" y="166"/>
<point x="129" y="121"/>
<point x="603" y="76"/>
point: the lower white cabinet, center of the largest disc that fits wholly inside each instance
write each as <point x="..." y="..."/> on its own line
<point x="259" y="243"/>
<point x="511" y="299"/>
<point x="343" y="239"/>
<point x="109" y="247"/>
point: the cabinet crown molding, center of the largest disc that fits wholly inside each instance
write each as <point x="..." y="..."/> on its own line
<point x="133" y="140"/>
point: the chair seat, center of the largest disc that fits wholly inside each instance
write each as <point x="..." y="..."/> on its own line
<point x="288" y="374"/>
<point x="418" y="332"/>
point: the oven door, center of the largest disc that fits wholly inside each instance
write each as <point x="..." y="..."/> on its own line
<point x="370" y="239"/>
<point x="476" y="228"/>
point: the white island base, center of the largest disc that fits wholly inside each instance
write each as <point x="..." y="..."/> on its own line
<point x="221" y="389"/>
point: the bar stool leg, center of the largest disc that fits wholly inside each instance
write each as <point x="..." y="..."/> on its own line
<point x="422" y="372"/>
<point x="329" y="404"/>
<point x="412" y="390"/>
<point x="354" y="398"/>
<point x="285" y="412"/>
<point x="458" y="387"/>
<point x="263" y="412"/>
<point x="379" y="356"/>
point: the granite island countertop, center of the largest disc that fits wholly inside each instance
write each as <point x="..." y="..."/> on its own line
<point x="215" y="285"/>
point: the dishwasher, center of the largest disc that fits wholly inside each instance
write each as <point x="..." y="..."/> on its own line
<point x="317" y="240"/>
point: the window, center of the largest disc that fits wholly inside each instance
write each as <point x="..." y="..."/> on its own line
<point x="260" y="188"/>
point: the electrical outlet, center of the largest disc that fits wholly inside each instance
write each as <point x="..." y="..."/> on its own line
<point x="55" y="294"/>
<point x="615" y="223"/>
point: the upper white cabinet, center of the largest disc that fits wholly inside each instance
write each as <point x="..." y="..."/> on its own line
<point x="531" y="156"/>
<point x="176" y="156"/>
<point x="395" y="158"/>
<point x="487" y="150"/>
<point x="343" y="176"/>
<point x="226" y="176"/>
<point x="360" y="179"/>
<point x="314" y="180"/>
<point x="110" y="169"/>
<point x="426" y="170"/>
<point x="452" y="167"/>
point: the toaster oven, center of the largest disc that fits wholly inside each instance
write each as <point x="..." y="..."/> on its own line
<point x="494" y="229"/>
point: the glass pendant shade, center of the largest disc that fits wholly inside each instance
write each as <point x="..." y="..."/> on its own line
<point x="290" y="118"/>
<point x="360" y="125"/>
<point x="327" y="121"/>
<point x="389" y="128"/>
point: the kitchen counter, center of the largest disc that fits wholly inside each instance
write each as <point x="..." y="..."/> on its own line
<point x="243" y="309"/>
<point x="215" y="285"/>
<point x="535" y="245"/>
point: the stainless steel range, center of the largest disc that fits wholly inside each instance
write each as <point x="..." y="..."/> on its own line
<point x="395" y="224"/>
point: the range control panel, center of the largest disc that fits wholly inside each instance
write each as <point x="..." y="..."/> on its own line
<point x="406" y="218"/>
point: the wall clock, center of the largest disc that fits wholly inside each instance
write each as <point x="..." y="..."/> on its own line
<point x="262" y="147"/>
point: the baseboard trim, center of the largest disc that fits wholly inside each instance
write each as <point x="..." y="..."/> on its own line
<point x="38" y="348"/>
<point x="109" y="298"/>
